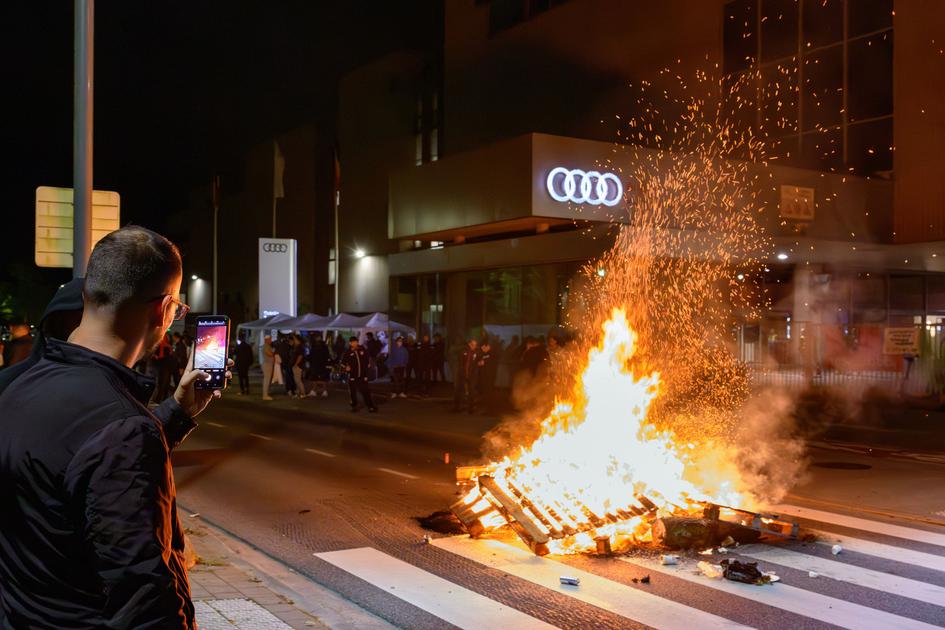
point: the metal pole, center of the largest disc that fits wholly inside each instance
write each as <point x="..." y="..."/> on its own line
<point x="216" y="211"/>
<point x="83" y="64"/>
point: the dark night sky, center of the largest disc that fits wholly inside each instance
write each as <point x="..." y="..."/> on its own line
<point x="182" y="87"/>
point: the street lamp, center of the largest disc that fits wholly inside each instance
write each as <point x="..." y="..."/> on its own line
<point x="782" y="256"/>
<point x="359" y="253"/>
<point x="194" y="277"/>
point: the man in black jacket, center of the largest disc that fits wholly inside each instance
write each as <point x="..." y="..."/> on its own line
<point x="357" y="362"/>
<point x="89" y="533"/>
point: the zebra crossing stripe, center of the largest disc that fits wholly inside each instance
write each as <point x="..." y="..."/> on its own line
<point x="881" y="550"/>
<point x="869" y="578"/>
<point x="614" y="597"/>
<point x="444" y="599"/>
<point x="792" y="599"/>
<point x="877" y="527"/>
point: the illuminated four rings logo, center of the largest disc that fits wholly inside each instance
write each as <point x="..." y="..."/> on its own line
<point x="590" y="187"/>
<point x="275" y="248"/>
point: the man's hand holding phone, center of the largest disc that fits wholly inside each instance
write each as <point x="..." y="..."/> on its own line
<point x="191" y="399"/>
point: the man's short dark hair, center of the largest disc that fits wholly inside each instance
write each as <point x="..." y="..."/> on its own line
<point x="132" y="263"/>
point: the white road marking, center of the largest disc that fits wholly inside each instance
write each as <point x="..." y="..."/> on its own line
<point x="398" y="473"/>
<point x="318" y="452"/>
<point x="869" y="578"/>
<point x="796" y="600"/>
<point x="448" y="601"/>
<point x="878" y="527"/>
<point x="881" y="550"/>
<point x="261" y="437"/>
<point x="216" y="424"/>
<point x="617" y="598"/>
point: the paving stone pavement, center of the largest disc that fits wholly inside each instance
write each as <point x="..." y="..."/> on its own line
<point x="230" y="597"/>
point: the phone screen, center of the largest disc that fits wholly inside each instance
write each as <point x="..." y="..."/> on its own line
<point x="210" y="352"/>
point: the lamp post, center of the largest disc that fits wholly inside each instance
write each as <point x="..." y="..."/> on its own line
<point x="82" y="99"/>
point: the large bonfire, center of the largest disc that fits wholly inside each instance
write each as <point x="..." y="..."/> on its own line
<point x="642" y="429"/>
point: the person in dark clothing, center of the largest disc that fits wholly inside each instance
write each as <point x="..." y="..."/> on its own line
<point x="356" y="362"/>
<point x="339" y="348"/>
<point x="397" y="360"/>
<point x="19" y="347"/>
<point x="284" y="350"/>
<point x="437" y="373"/>
<point x="89" y="532"/>
<point x="425" y="362"/>
<point x="467" y="375"/>
<point x="319" y="367"/>
<point x="535" y="357"/>
<point x="244" y="360"/>
<point x="61" y="317"/>
<point x="411" y="373"/>
<point x="180" y="357"/>
<point x="164" y="364"/>
<point x="488" y="367"/>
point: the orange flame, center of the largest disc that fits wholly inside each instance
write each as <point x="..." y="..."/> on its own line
<point x="596" y="452"/>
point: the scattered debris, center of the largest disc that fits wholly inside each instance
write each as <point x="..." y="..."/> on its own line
<point x="707" y="552"/>
<point x="676" y="532"/>
<point x="836" y="549"/>
<point x="729" y="542"/>
<point x="708" y="569"/>
<point x="195" y="515"/>
<point x="427" y="539"/>
<point x="305" y="511"/>
<point x="570" y="581"/>
<point x="722" y="550"/>
<point x="645" y="579"/>
<point x="809" y="538"/>
<point x="669" y="559"/>
<point x="813" y="574"/>
<point x="746" y="572"/>
<point x="442" y="522"/>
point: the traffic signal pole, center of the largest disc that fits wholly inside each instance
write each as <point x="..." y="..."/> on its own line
<point x="83" y="63"/>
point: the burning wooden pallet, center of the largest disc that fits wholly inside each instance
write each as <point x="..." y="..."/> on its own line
<point x="537" y="523"/>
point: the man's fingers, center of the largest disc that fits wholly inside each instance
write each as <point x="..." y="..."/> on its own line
<point x="217" y="393"/>
<point x="190" y="377"/>
<point x="230" y="363"/>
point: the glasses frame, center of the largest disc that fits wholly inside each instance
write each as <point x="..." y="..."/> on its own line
<point x="180" y="311"/>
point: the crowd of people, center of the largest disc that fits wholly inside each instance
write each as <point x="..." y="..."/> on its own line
<point x="304" y="365"/>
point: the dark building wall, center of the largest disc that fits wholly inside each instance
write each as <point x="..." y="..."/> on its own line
<point x="566" y="71"/>
<point x="376" y="135"/>
<point x="919" y="92"/>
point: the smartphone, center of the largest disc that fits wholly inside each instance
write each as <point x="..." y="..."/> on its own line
<point x="210" y="347"/>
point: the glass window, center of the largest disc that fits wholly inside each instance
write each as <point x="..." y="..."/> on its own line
<point x="867" y="16"/>
<point x="822" y="149"/>
<point x="823" y="88"/>
<point x="869" y="146"/>
<point x="822" y="23"/>
<point x="870" y="76"/>
<point x="778" y="29"/>
<point x="779" y="99"/>
<point x="740" y="33"/>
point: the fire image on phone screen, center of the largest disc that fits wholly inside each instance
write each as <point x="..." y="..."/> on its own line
<point x="210" y="353"/>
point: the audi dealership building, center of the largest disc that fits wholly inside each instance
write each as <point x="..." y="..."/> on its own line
<point x="476" y="178"/>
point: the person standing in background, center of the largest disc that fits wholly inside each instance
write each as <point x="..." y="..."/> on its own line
<point x="425" y="362"/>
<point x="244" y="360"/>
<point x="319" y="362"/>
<point x="356" y="361"/>
<point x="465" y="380"/>
<point x="268" y="364"/>
<point x="297" y="359"/>
<point x="20" y="345"/>
<point x="488" y="367"/>
<point x="438" y="374"/>
<point x="397" y="360"/>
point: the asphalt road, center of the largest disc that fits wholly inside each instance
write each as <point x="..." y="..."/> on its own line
<point x="333" y="496"/>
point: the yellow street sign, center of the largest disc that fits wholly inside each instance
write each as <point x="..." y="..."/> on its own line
<point x="53" y="245"/>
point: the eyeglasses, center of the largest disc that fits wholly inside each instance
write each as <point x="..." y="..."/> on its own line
<point x="180" y="311"/>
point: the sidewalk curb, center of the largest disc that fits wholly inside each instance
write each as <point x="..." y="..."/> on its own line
<point x="310" y="596"/>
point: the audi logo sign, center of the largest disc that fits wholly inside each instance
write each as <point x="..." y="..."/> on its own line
<point x="590" y="187"/>
<point x="275" y="248"/>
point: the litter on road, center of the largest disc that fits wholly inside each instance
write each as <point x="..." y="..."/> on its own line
<point x="836" y="549"/>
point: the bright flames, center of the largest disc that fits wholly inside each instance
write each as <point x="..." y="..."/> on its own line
<point x="597" y="460"/>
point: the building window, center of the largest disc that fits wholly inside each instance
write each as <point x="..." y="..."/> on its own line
<point x="824" y="84"/>
<point x="427" y="127"/>
<point x="504" y="14"/>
